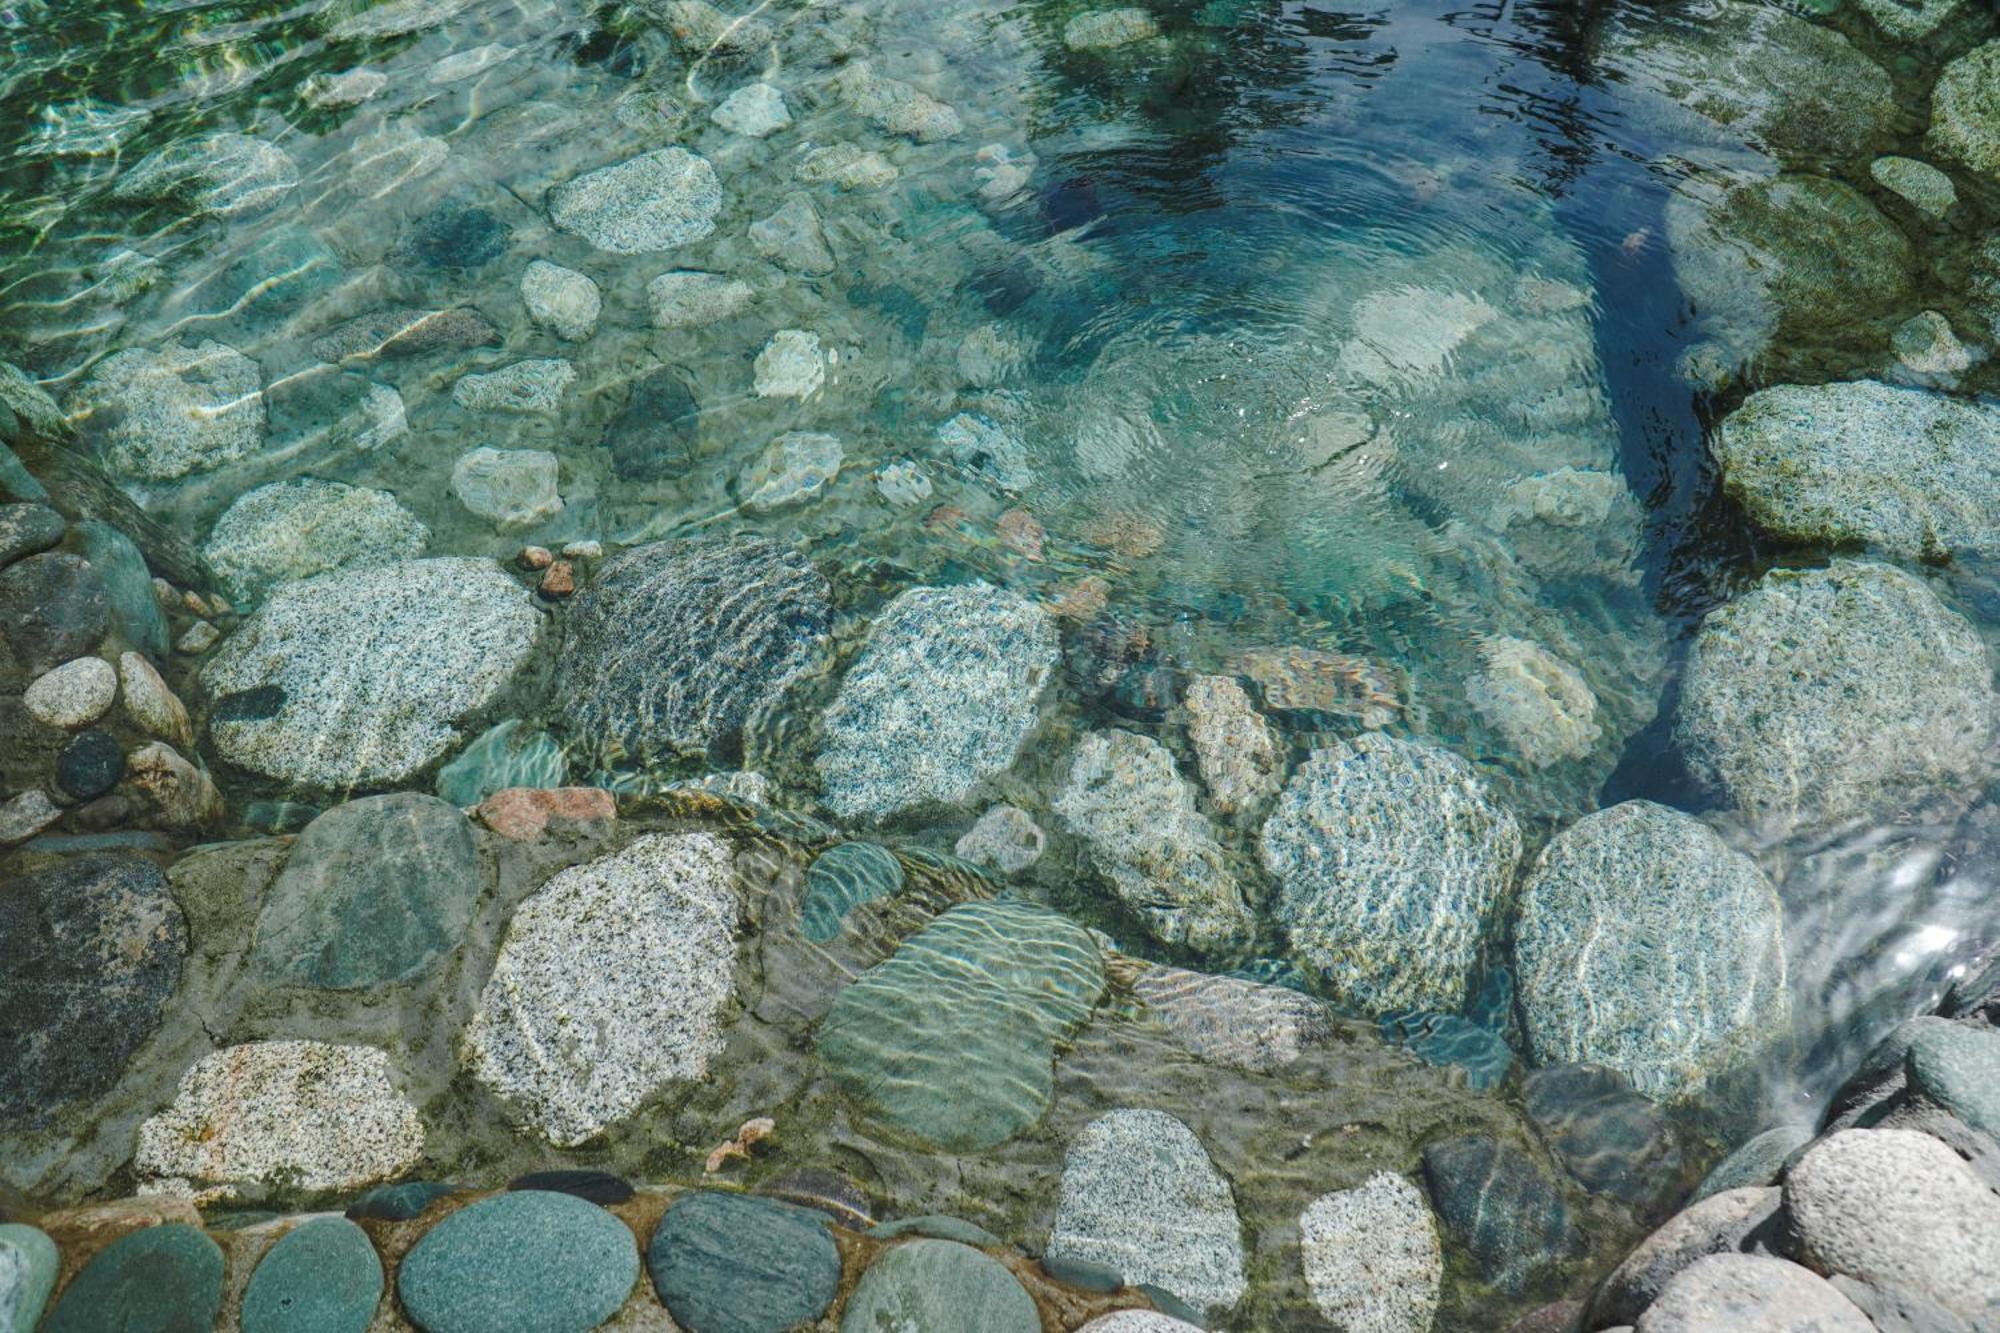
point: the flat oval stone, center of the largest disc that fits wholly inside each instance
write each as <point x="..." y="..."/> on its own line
<point x="842" y="878"/>
<point x="599" y="1187"/>
<point x="322" y="1276"/>
<point x="532" y="1260"/>
<point x="164" y="1279"/>
<point x="938" y="1228"/>
<point x="75" y="694"/>
<point x="733" y="1263"/>
<point x="28" y="1264"/>
<point x="940" y="1287"/>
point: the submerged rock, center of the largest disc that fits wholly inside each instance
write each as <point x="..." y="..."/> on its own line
<point x="1827" y="693"/>
<point x="1535" y="700"/>
<point x="1239" y="757"/>
<point x="686" y="298"/>
<point x="1372" y="1258"/>
<point x="72" y="695"/>
<point x="945" y="690"/>
<point x="939" y="1286"/>
<point x="840" y="879"/>
<point x="404" y="331"/>
<point x="94" y="948"/>
<point x="792" y="365"/>
<point x="1390" y="859"/>
<point x="1500" y="1207"/>
<point x="302" y="1114"/>
<point x="1920" y="184"/>
<point x="1965" y="113"/>
<point x="676" y="645"/>
<point x="1232" y="1021"/>
<point x="952" y="1039"/>
<point x="159" y="415"/>
<point x="27" y="529"/>
<point x="364" y="676"/>
<point x="1609" y="1138"/>
<point x="293" y="530"/>
<point x="561" y="300"/>
<point x="755" y="109"/>
<point x="525" y="386"/>
<point x="610" y="986"/>
<point x="1006" y="837"/>
<point x="509" y="488"/>
<point x="1140" y="828"/>
<point x="532" y="1259"/>
<point x="792" y="237"/>
<point x="728" y="1261"/>
<point x="1102" y="29"/>
<point x="794" y="468"/>
<point x="895" y="107"/>
<point x="1910" y="471"/>
<point x="644" y="204"/>
<point x="53" y="607"/>
<point x="1647" y="945"/>
<point x="225" y="174"/>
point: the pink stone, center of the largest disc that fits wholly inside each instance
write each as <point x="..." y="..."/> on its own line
<point x="521" y="813"/>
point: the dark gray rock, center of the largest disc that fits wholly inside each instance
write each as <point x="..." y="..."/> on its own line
<point x="652" y="437"/>
<point x="1721" y="1224"/>
<point x="90" y="765"/>
<point x="1499" y="1206"/>
<point x="52" y="608"/>
<point x="128" y="587"/>
<point x="1612" y="1140"/>
<point x="1892" y="1310"/>
<point x="733" y="1263"/>
<point x="26" y="529"/>
<point x="599" y="1187"/>
<point x="454" y="236"/>
<point x="377" y="891"/>
<point x="1958" y="1067"/>
<point x="675" y="646"/>
<point x="399" y="1202"/>
<point x="1756" y="1161"/>
<point x="1877" y="1083"/>
<point x="93" y="949"/>
<point x="840" y="879"/>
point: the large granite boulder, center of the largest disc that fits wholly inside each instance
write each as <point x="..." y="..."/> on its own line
<point x="158" y="415"/>
<point x="1823" y="694"/>
<point x="1647" y="945"/>
<point x="363" y="677"/>
<point x="294" y="530"/>
<point x="674" y="646"/>
<point x="1391" y="858"/>
<point x="945" y="690"/>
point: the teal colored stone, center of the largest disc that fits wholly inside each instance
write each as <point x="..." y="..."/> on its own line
<point x="734" y="1263"/>
<point x="840" y="880"/>
<point x="953" y="1038"/>
<point x="940" y="1287"/>
<point x="1958" y="1067"/>
<point x="399" y="1202"/>
<point x="938" y="1228"/>
<point x="503" y="756"/>
<point x="128" y="585"/>
<point x="528" y="1262"/>
<point x="165" y="1279"/>
<point x="1446" y="1039"/>
<point x="322" y="1276"/>
<point x="28" y="1263"/>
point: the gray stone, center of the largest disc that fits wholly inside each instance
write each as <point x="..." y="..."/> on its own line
<point x="952" y="1039"/>
<point x="224" y="174"/>
<point x="1924" y="20"/>
<point x="1137" y="819"/>
<point x="1755" y="1161"/>
<point x="306" y="1115"/>
<point x="401" y="332"/>
<point x="53" y="607"/>
<point x="1539" y="703"/>
<point x="755" y="109"/>
<point x="74" y="694"/>
<point x="528" y="1259"/>
<point x="293" y="530"/>
<point x="1645" y="944"/>
<point x="509" y="488"/>
<point x="1235" y="748"/>
<point x="1919" y="184"/>
<point x="156" y="415"/>
<point x="1232" y="1021"/>
<point x="1907" y="470"/>
<point x="938" y="1286"/>
<point x="795" y="467"/>
<point x="987" y="449"/>
<point x="903" y="483"/>
<point x="1893" y="1311"/>
<point x="1390" y="858"/>
<point x="1749" y="1293"/>
<point x="1958" y="1067"/>
<point x="322" y="1276"/>
<point x="792" y="237"/>
<point x="610" y="986"/>
<point x="350" y="87"/>
<point x="1720" y="1224"/>
<point x="171" y="792"/>
<point x="653" y="436"/>
<point x="1898" y="1208"/>
<point x="1102" y="29"/>
<point x="1372" y="1258"/>
<point x="376" y="891"/>
<point x="685" y="298"/>
<point x="128" y="586"/>
<point x="396" y="18"/>
<point x="1924" y="344"/>
<point x="1827" y="693"/>
<point x="847" y="166"/>
<point x="503" y="756"/>
<point x="1609" y="1138"/>
<point x="159" y="1279"/>
<point x="523" y="387"/>
<point x="1965" y="112"/>
<point x="840" y="879"/>
<point x="674" y="647"/>
<point x="895" y="107"/>
<point x="561" y="300"/>
<point x="25" y="815"/>
<point x="28" y="1264"/>
<point x="1006" y="837"/>
<point x="1140" y="1195"/>
<point x="737" y="1264"/>
<point x="1500" y="1207"/>
<point x="365" y="676"/>
<point x="945" y="690"/>
<point x="94" y="948"/>
<point x="652" y="202"/>
<point x="26" y="529"/>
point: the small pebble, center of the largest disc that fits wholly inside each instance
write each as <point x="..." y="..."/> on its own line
<point x="90" y="765"/>
<point x="534" y="557"/>
<point x="200" y="637"/>
<point x="591" y="550"/>
<point x="193" y="601"/>
<point x="75" y="694"/>
<point x="25" y="816"/>
<point x="560" y="580"/>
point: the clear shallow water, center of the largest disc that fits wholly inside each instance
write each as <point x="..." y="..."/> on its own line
<point x="1292" y="317"/>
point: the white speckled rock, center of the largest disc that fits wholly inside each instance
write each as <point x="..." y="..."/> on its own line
<point x="160" y="414"/>
<point x="793" y="468"/>
<point x="755" y="109"/>
<point x="1138" y="1321"/>
<point x="845" y="165"/>
<point x="292" y="530"/>
<point x="1900" y="1209"/>
<point x="1102" y="29"/>
<point x="561" y="300"/>
<point x="1136" y="816"/>
<point x="895" y="107"/>
<point x="75" y="694"/>
<point x="510" y="488"/>
<point x="687" y="298"/>
<point x="1233" y="1022"/>
<point x="1390" y="858"/>
<point x="1965" y="124"/>
<point x="302" y="1113"/>
<point x="525" y="386"/>
<point x="946" y="688"/>
<point x="1234" y="746"/>
<point x="1646" y="944"/>
<point x="610" y="986"/>
<point x="362" y="677"/>
<point x="1140" y="1196"/>
<point x="790" y="366"/>
<point x="1006" y="837"/>
<point x="1372" y="1257"/>
<point x="1750" y="1293"/>
<point x="652" y="202"/>
<point x="26" y="815"/>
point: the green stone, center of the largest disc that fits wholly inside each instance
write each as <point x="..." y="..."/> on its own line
<point x="504" y="756"/>
<point x="938" y="1228"/>
<point x="322" y="1276"/>
<point x="28" y="1264"/>
<point x="135" y="607"/>
<point x="734" y="1263"/>
<point x="527" y="1262"/>
<point x="940" y="1287"/>
<point x="841" y="879"/>
<point x="165" y="1279"/>
<point x="953" y="1038"/>
<point x="1958" y="1067"/>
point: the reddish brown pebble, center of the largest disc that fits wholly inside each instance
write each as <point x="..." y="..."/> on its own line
<point x="1020" y="532"/>
<point x="521" y="813"/>
<point x="535" y="557"/>
<point x="1082" y="599"/>
<point x="560" y="580"/>
<point x="192" y="600"/>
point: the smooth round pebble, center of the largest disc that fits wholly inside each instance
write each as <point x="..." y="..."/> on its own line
<point x="529" y="1262"/>
<point x="75" y="694"/>
<point x="1749" y="1293"/>
<point x="164" y="1279"/>
<point x="322" y="1276"/>
<point x="1139" y="1321"/>
<point x="939" y="1286"/>
<point x="28" y="1264"/>
<point x="90" y="765"/>
<point x="733" y="1263"/>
